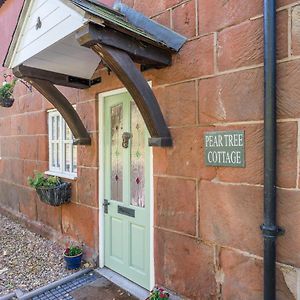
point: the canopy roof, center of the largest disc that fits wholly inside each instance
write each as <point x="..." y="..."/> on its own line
<point x="62" y="42"/>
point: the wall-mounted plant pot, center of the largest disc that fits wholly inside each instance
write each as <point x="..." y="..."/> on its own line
<point x="56" y="195"/>
<point x="6" y="102"/>
<point x="73" y="262"/>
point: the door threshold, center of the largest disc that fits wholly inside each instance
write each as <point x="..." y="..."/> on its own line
<point x="124" y="283"/>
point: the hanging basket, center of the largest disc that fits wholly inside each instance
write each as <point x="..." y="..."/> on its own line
<point x="6" y="102"/>
<point x="56" y="195"/>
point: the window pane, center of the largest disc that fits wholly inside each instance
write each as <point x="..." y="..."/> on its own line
<point x="67" y="167"/>
<point x="58" y="127"/>
<point x="137" y="158"/>
<point x="74" y="159"/>
<point x="53" y="154"/>
<point x="53" y="126"/>
<point x="116" y="153"/>
<point x="58" y="155"/>
<point x="68" y="133"/>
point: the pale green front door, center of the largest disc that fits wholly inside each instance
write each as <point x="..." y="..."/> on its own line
<point x="127" y="190"/>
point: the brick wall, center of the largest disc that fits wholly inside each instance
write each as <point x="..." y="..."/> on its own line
<point x="207" y="239"/>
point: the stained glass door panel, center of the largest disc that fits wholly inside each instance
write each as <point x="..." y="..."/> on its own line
<point x="137" y="157"/>
<point x="116" y="152"/>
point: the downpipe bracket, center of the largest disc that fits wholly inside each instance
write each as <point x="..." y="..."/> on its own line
<point x="272" y="232"/>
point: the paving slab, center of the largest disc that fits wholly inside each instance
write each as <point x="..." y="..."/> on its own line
<point x="101" y="289"/>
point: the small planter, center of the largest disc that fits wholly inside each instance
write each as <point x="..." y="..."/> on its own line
<point x="73" y="262"/>
<point x="56" y="195"/>
<point x="6" y="102"/>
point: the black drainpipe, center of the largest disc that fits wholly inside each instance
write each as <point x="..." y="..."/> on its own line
<point x="269" y="228"/>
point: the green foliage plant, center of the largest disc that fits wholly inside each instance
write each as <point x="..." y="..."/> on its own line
<point x="7" y="89"/>
<point x="73" y="251"/>
<point x="158" y="293"/>
<point x="41" y="181"/>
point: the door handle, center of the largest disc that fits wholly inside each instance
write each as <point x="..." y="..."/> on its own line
<point x="105" y="205"/>
<point x="126" y="137"/>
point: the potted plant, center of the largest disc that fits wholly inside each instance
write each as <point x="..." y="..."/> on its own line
<point x="72" y="257"/>
<point x="51" y="189"/>
<point x="158" y="293"/>
<point x="6" y="94"/>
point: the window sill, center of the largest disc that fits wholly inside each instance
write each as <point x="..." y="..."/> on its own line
<point x="62" y="175"/>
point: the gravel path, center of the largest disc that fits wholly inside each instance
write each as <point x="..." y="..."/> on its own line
<point x="27" y="260"/>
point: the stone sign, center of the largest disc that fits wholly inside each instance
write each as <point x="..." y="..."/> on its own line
<point x="225" y="148"/>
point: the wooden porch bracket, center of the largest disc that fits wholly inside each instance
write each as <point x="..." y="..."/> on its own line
<point x="61" y="103"/>
<point x="22" y="71"/>
<point x="123" y="66"/>
<point x="141" y="52"/>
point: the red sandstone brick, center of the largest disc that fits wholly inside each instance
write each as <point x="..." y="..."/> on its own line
<point x="29" y="167"/>
<point x="163" y="19"/>
<point x="185" y="158"/>
<point x="215" y="14"/>
<point x="42" y="166"/>
<point x="289" y="218"/>
<point x="19" y="124"/>
<point x="184" y="19"/>
<point x="43" y="148"/>
<point x="49" y="215"/>
<point x="30" y="102"/>
<point x="17" y="168"/>
<point x="28" y="204"/>
<point x="242" y="45"/>
<point x="175" y="202"/>
<point x="184" y="265"/>
<point x="10" y="147"/>
<point x="236" y="285"/>
<point x="281" y="3"/>
<point x="231" y="215"/>
<point x="81" y="223"/>
<point x="36" y="123"/>
<point x="150" y="10"/>
<point x="28" y="147"/>
<point x="129" y="3"/>
<point x="8" y="19"/>
<point x="232" y="97"/>
<point x="4" y="167"/>
<point x="296" y="30"/>
<point x="288" y="92"/>
<point x="87" y="156"/>
<point x="178" y="103"/>
<point x="5" y="126"/>
<point x="107" y="2"/>
<point x="88" y="113"/>
<point x="70" y="93"/>
<point x="11" y="196"/>
<point x="194" y="60"/>
<point x="87" y="185"/>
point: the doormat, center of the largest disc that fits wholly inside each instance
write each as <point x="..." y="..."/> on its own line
<point x="101" y="289"/>
<point x="62" y="292"/>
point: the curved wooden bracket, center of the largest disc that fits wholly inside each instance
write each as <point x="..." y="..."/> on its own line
<point x="123" y="66"/>
<point x="61" y="103"/>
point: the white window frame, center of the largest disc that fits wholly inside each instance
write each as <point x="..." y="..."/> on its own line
<point x="59" y="171"/>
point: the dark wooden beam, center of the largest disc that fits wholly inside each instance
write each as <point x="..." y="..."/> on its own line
<point x="60" y="102"/>
<point x="123" y="66"/>
<point x="140" y="52"/>
<point x="55" y="78"/>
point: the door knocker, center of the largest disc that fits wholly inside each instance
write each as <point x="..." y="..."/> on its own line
<point x="126" y="137"/>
